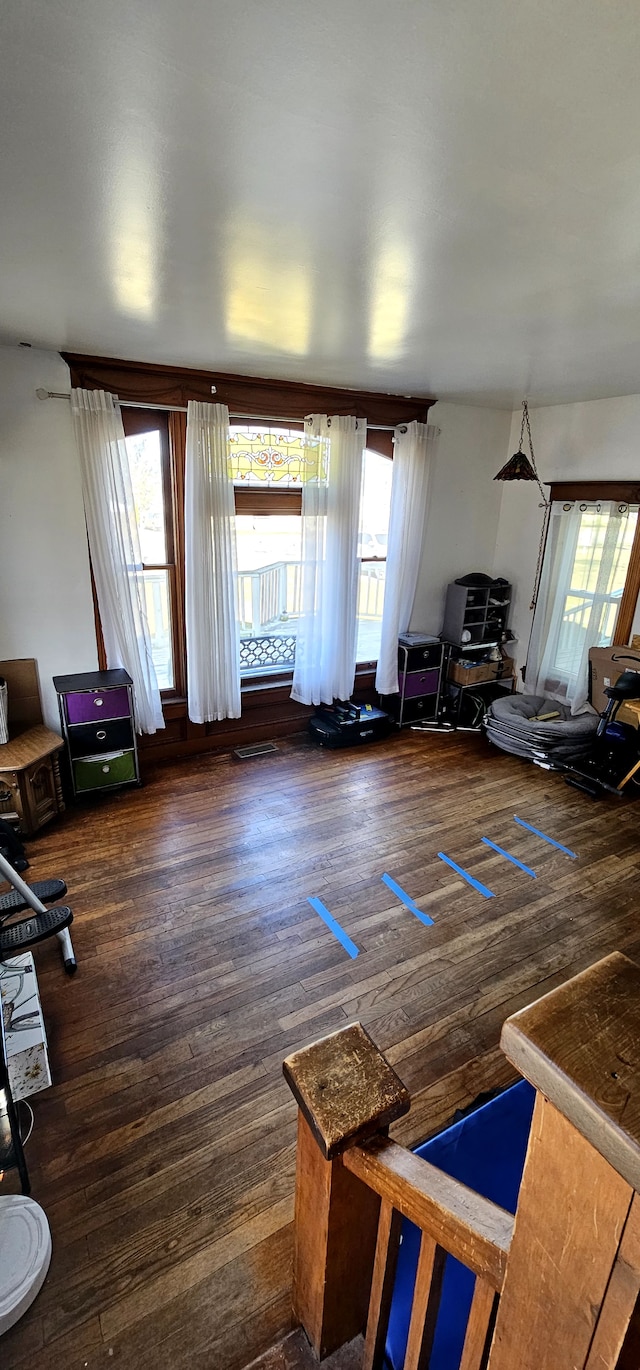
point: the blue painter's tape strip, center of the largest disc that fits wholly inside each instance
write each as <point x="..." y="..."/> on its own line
<point x="477" y="884"/>
<point x="407" y="901"/>
<point x="334" y="927"/>
<point x="551" y="840"/>
<point x="508" y="857"/>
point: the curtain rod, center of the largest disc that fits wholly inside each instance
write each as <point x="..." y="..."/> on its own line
<point x="182" y="409"/>
<point x="584" y="504"/>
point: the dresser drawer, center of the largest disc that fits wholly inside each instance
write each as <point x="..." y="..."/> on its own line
<point x="414" y="709"/>
<point x="419" y="657"/>
<point x="110" y="735"/>
<point x="419" y="683"/>
<point x="89" y="704"/>
<point x="98" y="772"/>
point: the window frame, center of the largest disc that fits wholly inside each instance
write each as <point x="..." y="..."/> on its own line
<point x="251" y="499"/>
<point x="382" y="448"/>
<point x="167" y="388"/>
<point x="248" y="499"/>
<point x="137" y="421"/>
<point x="624" y="492"/>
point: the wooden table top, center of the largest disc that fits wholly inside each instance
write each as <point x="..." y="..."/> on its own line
<point x="28" y="747"/>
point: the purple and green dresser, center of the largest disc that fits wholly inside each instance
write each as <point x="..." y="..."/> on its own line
<point x="96" y="713"/>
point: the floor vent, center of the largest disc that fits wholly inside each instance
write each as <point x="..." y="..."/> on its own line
<point x="257" y="749"/>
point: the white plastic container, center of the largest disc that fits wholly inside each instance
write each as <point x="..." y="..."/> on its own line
<point x="25" y="1252"/>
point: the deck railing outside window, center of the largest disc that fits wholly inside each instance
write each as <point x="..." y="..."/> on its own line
<point x="269" y="602"/>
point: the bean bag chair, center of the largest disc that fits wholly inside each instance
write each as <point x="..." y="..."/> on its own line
<point x="513" y="723"/>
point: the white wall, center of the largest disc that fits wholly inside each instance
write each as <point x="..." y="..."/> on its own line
<point x="464" y="504"/>
<point x="46" y="608"/>
<point x="474" y="524"/>
<point x="594" y="440"/>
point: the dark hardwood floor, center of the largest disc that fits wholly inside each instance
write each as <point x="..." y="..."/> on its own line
<point x="164" y="1153"/>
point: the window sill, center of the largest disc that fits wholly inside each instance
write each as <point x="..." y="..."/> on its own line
<point x="260" y="685"/>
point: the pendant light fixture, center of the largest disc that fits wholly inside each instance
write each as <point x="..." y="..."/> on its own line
<point x="520" y="467"/>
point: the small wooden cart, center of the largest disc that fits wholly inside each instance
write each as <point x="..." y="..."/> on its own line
<point x="30" y="789"/>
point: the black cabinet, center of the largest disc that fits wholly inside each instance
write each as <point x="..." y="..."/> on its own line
<point x="96" y="713"/>
<point x="420" y="663"/>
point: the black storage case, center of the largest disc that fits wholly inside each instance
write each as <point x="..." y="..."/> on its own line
<point x="348" y="725"/>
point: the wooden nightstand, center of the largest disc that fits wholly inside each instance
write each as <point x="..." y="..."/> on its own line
<point x="30" y="788"/>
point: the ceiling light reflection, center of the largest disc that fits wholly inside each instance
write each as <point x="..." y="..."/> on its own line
<point x="389" y="315"/>
<point x="134" y="238"/>
<point x="269" y="290"/>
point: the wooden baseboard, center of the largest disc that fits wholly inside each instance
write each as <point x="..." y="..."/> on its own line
<point x="267" y="713"/>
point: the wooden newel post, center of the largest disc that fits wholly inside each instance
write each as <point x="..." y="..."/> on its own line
<point x="346" y="1092"/>
<point x="571" y="1297"/>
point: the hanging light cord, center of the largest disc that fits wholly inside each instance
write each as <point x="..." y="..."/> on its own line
<point x="543" y="539"/>
<point x="525" y="420"/>
<point x="546" y="503"/>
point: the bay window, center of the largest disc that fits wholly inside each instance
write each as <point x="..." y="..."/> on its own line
<point x="268" y="510"/>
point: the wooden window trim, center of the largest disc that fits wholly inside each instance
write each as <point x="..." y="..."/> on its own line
<point x="137" y="421"/>
<point x="250" y="500"/>
<point x="629" y="599"/>
<point x="177" y="427"/>
<point x="625" y="491"/>
<point x="276" y="400"/>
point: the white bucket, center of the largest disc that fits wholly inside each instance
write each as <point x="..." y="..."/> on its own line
<point x="4" y="712"/>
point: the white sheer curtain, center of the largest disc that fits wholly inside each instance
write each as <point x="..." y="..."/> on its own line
<point x="114" y="544"/>
<point x="583" y="573"/>
<point x="326" y="641"/>
<point x="213" y="646"/>
<point x="414" y="446"/>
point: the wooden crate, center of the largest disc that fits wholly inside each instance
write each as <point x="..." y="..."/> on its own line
<point x="472" y="675"/>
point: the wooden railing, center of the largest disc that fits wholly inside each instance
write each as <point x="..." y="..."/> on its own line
<point x="268" y="595"/>
<point x="556" y="1289"/>
<point x="272" y="593"/>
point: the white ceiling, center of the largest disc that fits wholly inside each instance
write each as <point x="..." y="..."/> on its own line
<point x="428" y="196"/>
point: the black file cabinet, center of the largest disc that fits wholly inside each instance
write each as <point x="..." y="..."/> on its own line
<point x="420" y="673"/>
<point x="96" y="713"/>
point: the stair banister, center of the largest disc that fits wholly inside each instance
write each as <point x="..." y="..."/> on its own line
<point x="346" y="1091"/>
<point x="353" y="1186"/>
<point x="559" y="1289"/>
<point x="570" y="1298"/>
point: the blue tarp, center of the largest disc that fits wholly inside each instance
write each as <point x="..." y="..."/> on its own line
<point x="486" y="1151"/>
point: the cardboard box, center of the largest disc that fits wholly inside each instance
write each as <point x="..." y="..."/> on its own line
<point x="603" y="671"/>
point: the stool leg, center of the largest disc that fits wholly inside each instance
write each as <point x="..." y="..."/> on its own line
<point x="68" y="954"/>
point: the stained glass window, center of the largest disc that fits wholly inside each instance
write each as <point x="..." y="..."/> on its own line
<point x="272" y="456"/>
